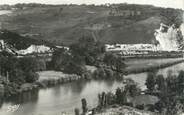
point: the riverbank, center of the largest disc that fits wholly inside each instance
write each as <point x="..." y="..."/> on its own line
<point x="53" y="78"/>
<point x="66" y="97"/>
<point x="147" y="67"/>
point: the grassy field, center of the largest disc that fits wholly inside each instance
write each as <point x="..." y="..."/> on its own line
<point x="50" y="75"/>
<point x="55" y="75"/>
<point x="132" y="64"/>
<point x="146" y="63"/>
<point x="140" y="77"/>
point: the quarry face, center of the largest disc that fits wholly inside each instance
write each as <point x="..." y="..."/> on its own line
<point x="170" y="38"/>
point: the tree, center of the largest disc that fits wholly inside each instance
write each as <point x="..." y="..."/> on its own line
<point x="114" y="61"/>
<point x="88" y="48"/>
<point x="59" y="59"/>
<point x="102" y="73"/>
<point x="110" y="59"/>
<point x="73" y="68"/>
<point x="180" y="82"/>
<point x="84" y="105"/>
<point x="31" y="77"/>
<point x="28" y="64"/>
<point x="62" y="60"/>
<point x="77" y="111"/>
<point x="171" y="81"/>
<point x="109" y="73"/>
<point x="41" y="65"/>
<point x="160" y="81"/>
<point x="150" y="81"/>
<point x="110" y="98"/>
<point x="132" y="89"/>
<point x="120" y="96"/>
<point x="17" y="76"/>
<point x="120" y="65"/>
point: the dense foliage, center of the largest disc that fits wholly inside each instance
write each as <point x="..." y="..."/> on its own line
<point x="114" y="61"/>
<point x="87" y="51"/>
<point x="169" y="90"/>
<point x="120" y="96"/>
<point x="17" y="71"/>
<point x="19" y="42"/>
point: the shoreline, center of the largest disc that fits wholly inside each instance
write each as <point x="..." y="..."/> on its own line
<point x="151" y="68"/>
<point x="68" y="78"/>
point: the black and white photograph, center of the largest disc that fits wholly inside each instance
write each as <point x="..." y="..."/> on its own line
<point x="91" y="57"/>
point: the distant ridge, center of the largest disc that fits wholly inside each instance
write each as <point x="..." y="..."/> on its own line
<point x="64" y="24"/>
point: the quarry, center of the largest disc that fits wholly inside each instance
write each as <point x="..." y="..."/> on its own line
<point x="168" y="39"/>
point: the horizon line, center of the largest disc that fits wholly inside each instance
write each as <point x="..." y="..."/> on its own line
<point x="88" y="4"/>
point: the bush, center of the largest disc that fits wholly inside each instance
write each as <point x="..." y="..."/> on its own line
<point x="31" y="77"/>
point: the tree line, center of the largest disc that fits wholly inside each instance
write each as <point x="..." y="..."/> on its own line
<point x="169" y="89"/>
<point x="86" y="51"/>
<point x="17" y="71"/>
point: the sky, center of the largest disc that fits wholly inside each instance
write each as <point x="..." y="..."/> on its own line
<point x="162" y="3"/>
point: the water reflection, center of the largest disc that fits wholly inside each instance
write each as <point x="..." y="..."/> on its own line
<point x="24" y="97"/>
<point x="60" y="98"/>
<point x="1" y="101"/>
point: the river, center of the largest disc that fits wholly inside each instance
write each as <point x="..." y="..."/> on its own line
<point x="55" y="100"/>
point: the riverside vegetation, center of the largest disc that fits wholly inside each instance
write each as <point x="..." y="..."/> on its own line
<point x="87" y="51"/>
<point x="168" y="89"/>
<point x="18" y="71"/>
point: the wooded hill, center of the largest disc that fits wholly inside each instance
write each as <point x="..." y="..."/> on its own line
<point x="64" y="24"/>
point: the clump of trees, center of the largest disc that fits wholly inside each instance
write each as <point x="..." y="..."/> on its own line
<point x="107" y="73"/>
<point x="62" y="60"/>
<point x="87" y="51"/>
<point x="114" y="61"/>
<point x="120" y="96"/>
<point x="170" y="90"/>
<point x="17" y="71"/>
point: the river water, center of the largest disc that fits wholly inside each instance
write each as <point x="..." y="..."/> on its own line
<point x="66" y="97"/>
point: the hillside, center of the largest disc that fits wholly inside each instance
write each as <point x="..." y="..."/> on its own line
<point x="59" y="24"/>
<point x="18" y="42"/>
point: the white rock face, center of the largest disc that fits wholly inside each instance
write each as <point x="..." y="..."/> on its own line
<point x="182" y="29"/>
<point x="169" y="38"/>
<point x="2" y="44"/>
<point x="35" y="49"/>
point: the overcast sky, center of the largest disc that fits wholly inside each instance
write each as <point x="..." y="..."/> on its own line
<point x="162" y="3"/>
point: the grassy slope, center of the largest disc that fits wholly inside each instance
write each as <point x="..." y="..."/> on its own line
<point x="67" y="25"/>
<point x="146" y="63"/>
